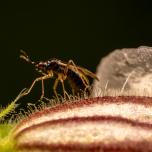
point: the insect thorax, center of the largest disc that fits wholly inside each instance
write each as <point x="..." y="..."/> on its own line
<point x="55" y="66"/>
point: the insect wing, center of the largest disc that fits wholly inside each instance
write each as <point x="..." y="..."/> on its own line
<point x="84" y="71"/>
<point x="87" y="72"/>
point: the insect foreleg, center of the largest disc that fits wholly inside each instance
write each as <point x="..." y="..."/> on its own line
<point x="42" y="95"/>
<point x="36" y="80"/>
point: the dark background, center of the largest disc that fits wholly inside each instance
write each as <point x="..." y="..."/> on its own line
<point x="81" y="30"/>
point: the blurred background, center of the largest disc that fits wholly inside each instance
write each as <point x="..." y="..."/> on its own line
<point x="81" y="30"/>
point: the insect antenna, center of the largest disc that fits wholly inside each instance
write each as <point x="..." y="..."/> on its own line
<point x="25" y="57"/>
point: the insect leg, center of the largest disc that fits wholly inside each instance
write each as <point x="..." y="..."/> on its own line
<point x="84" y="79"/>
<point x="51" y="75"/>
<point x="70" y="62"/>
<point x="36" y="80"/>
<point x="64" y="91"/>
<point x="55" y="86"/>
<point x="42" y="95"/>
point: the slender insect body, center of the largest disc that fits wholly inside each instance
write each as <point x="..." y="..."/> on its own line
<point x="50" y="65"/>
<point x="57" y="67"/>
<point x="77" y="76"/>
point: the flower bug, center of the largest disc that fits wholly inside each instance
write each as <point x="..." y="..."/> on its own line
<point x="76" y="75"/>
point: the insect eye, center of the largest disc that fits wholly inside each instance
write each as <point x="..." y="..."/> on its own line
<point x="40" y="66"/>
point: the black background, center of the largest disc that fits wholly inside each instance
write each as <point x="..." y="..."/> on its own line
<point x="81" y="30"/>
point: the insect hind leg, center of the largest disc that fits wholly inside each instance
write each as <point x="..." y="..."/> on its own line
<point x="83" y="78"/>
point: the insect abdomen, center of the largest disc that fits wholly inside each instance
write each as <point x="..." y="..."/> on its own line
<point x="76" y="81"/>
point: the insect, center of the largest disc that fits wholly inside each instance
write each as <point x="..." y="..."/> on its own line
<point x="77" y="76"/>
